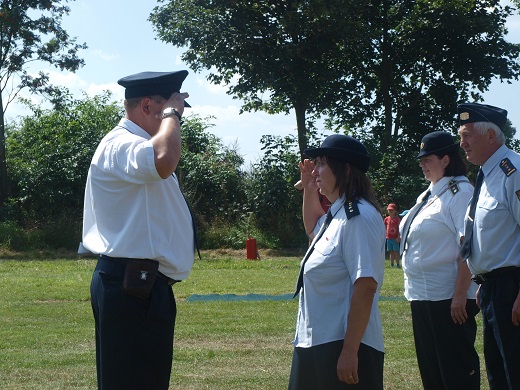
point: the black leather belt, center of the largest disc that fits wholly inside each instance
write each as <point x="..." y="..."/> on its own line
<point x="481" y="278"/>
<point x="122" y="261"/>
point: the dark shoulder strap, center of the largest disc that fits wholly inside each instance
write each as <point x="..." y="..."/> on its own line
<point x="351" y="208"/>
<point x="507" y="166"/>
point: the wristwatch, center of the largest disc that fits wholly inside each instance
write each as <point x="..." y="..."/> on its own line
<point x="170" y="111"/>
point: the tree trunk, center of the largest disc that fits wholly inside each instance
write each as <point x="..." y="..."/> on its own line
<point x="4" y="183"/>
<point x="302" y="129"/>
<point x="386" y="82"/>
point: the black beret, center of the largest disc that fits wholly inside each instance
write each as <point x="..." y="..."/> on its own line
<point x="153" y="83"/>
<point x="437" y="142"/>
<point x="343" y="148"/>
<point x="476" y="112"/>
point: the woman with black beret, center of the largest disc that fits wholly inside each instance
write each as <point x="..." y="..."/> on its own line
<point x="437" y="284"/>
<point x="339" y="340"/>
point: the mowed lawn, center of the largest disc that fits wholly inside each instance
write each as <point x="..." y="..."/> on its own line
<point x="224" y="339"/>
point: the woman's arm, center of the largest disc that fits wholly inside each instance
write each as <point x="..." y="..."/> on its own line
<point x="311" y="208"/>
<point x="358" y="317"/>
<point x="458" y="302"/>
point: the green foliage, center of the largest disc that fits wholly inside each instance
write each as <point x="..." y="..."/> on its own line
<point x="31" y="32"/>
<point x="210" y="174"/>
<point x="12" y="236"/>
<point x="50" y="153"/>
<point x="289" y="55"/>
<point x="221" y="234"/>
<point x="275" y="202"/>
<point x="425" y="57"/>
<point x="385" y="67"/>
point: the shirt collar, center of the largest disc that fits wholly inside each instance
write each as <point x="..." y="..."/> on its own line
<point x="337" y="204"/>
<point x="494" y="160"/>
<point x="437" y="187"/>
<point x="133" y="128"/>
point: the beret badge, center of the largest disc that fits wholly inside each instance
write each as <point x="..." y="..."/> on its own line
<point x="464" y="116"/>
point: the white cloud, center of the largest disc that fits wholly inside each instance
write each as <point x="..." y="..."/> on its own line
<point x="96" y="89"/>
<point x="106" y="56"/>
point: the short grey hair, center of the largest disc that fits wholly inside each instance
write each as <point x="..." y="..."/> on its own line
<point x="482" y="127"/>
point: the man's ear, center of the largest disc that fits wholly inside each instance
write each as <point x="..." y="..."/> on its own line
<point x="492" y="136"/>
<point x="144" y="105"/>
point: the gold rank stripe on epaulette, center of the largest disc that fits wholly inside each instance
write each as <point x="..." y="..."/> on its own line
<point x="351" y="209"/>
<point x="453" y="186"/>
<point x="507" y="167"/>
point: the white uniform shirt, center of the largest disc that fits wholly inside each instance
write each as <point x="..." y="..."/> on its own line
<point x="348" y="250"/>
<point x="431" y="259"/>
<point x="496" y="228"/>
<point x="130" y="211"/>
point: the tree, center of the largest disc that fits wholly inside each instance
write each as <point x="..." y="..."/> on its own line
<point x="294" y="51"/>
<point x="209" y="173"/>
<point x="274" y="201"/>
<point x="425" y="57"/>
<point x="30" y="31"/>
<point x="389" y="67"/>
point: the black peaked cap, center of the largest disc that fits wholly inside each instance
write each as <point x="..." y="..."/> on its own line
<point x="153" y="83"/>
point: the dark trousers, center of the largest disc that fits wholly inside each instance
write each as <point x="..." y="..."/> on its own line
<point x="134" y="336"/>
<point x="315" y="368"/>
<point x="501" y="337"/>
<point x="445" y="350"/>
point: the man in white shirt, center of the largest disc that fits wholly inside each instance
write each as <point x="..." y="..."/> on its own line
<point x="139" y="224"/>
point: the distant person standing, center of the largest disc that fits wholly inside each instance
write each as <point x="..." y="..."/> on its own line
<point x="436" y="283"/>
<point x="139" y="224"/>
<point x="392" y="234"/>
<point x="492" y="238"/>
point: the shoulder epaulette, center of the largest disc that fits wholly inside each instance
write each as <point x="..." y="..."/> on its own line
<point x="351" y="209"/>
<point x="453" y="186"/>
<point x="507" y="166"/>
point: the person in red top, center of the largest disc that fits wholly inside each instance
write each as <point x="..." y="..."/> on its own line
<point x="392" y="234"/>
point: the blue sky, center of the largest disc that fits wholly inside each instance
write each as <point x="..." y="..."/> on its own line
<point x="121" y="42"/>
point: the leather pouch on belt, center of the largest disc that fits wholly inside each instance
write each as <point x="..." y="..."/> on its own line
<point x="140" y="275"/>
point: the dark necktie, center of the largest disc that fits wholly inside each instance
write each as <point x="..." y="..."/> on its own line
<point x="194" y="225"/>
<point x="412" y="214"/>
<point x="465" y="250"/>
<point x="299" y="283"/>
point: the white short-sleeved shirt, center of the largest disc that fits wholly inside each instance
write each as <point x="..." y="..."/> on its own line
<point x="432" y="255"/>
<point x="496" y="228"/>
<point x="349" y="249"/>
<point x="130" y="211"/>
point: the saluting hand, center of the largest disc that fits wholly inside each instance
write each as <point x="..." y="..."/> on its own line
<point x="308" y="181"/>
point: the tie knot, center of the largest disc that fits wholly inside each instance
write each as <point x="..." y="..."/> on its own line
<point x="426" y="195"/>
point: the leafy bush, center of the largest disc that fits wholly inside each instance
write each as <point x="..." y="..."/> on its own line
<point x="13" y="237"/>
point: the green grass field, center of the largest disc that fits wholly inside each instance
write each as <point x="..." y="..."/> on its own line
<point x="47" y="330"/>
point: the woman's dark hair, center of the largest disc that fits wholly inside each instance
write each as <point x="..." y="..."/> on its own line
<point x="456" y="166"/>
<point x="354" y="185"/>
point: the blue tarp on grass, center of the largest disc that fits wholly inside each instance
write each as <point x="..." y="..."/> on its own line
<point x="256" y="297"/>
